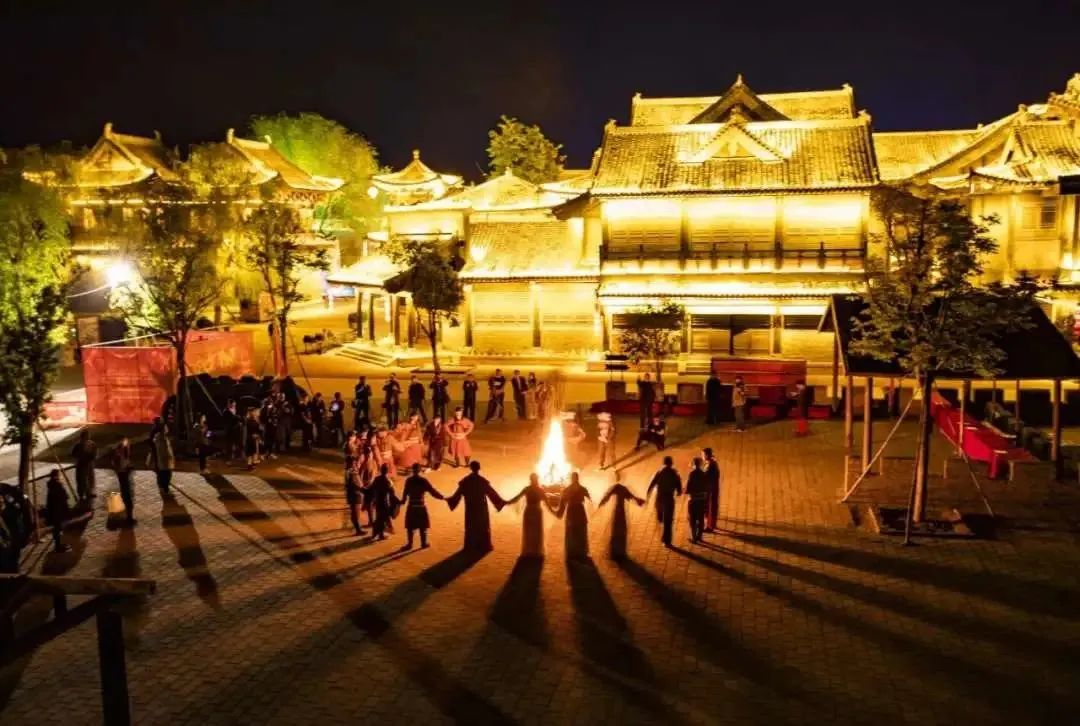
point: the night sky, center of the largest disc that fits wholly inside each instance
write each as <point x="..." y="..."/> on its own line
<point x="438" y="75"/>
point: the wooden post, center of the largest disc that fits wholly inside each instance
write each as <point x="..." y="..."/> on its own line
<point x="1016" y="405"/>
<point x="849" y="414"/>
<point x="371" y="316"/>
<point x="1055" y="447"/>
<point x="836" y="374"/>
<point x="114" y="691"/>
<point x="965" y="393"/>
<point x="868" y="424"/>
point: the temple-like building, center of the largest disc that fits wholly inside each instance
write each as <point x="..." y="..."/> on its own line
<point x="748" y="209"/>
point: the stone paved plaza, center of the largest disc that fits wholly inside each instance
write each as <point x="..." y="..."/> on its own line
<point x="269" y="611"/>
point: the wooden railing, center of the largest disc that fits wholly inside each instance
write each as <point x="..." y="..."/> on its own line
<point x="734" y="256"/>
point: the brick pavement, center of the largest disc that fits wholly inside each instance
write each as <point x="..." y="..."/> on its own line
<point x="267" y="610"/>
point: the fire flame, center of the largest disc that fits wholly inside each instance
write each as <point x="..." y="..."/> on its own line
<point x="553" y="467"/>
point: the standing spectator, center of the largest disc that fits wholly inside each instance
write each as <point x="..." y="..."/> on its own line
<point x="200" y="439"/>
<point x="161" y="455"/>
<point x="531" y="401"/>
<point x="307" y="426"/>
<point x="84" y="453"/>
<point x="284" y="424"/>
<point x="353" y="492"/>
<point x="416" y="398"/>
<point x="468" y="394"/>
<point x="361" y="403"/>
<point x="543" y="400"/>
<point x="57" y="509"/>
<point x="392" y="391"/>
<point x="605" y="440"/>
<point x="337" y="419"/>
<point x="252" y="436"/>
<point x="738" y="403"/>
<point x="435" y="438"/>
<point x="234" y="432"/>
<point x="122" y="464"/>
<point x="712" y="474"/>
<point x="713" y="389"/>
<point x="496" y="395"/>
<point x="16" y="524"/>
<point x="802" y="408"/>
<point x="519" y="385"/>
<point x="440" y="396"/>
<point x="268" y="435"/>
<point x="668" y="485"/>
<point x="318" y="417"/>
<point x="646" y="396"/>
<point x="655" y="433"/>
<point x="697" y="489"/>
<point x="460" y="427"/>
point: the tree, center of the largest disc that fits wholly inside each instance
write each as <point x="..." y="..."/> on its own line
<point x="278" y="251"/>
<point x="35" y="277"/>
<point x="653" y="333"/>
<point x="926" y="310"/>
<point x="524" y="150"/>
<point x="431" y="275"/>
<point x="324" y="147"/>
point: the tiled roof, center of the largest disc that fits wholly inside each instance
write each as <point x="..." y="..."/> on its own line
<point x="1041" y="152"/>
<point x="800" y="106"/>
<point x="504" y="191"/>
<point x="571" y="182"/>
<point x="814" y="155"/>
<point x="542" y="247"/>
<point x="902" y="154"/>
<point x="414" y="173"/>
<point x="120" y="159"/>
<point x="269" y="163"/>
<point x="370" y="271"/>
<point x="150" y="152"/>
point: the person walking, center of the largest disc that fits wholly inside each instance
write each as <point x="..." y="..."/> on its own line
<point x="572" y="504"/>
<point x="712" y="474"/>
<point x="620" y="494"/>
<point x="713" y="392"/>
<point x="605" y="440"/>
<point x="85" y="454"/>
<point x="459" y="429"/>
<point x="435" y="439"/>
<point x="361" y="403"/>
<point x="440" y="396"/>
<point x="383" y="502"/>
<point x="496" y="395"/>
<point x="416" y="512"/>
<point x="646" y="396"/>
<point x="200" y="440"/>
<point x="697" y="490"/>
<point x="468" y="394"/>
<point x="161" y="455"/>
<point x="477" y="492"/>
<point x="392" y="401"/>
<point x="532" y="519"/>
<point x="738" y="403"/>
<point x="519" y="385"/>
<point x="416" y="398"/>
<point x="123" y="464"/>
<point x="57" y="509"/>
<point x="668" y="486"/>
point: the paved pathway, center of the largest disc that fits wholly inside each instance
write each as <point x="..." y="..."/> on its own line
<point x="269" y="612"/>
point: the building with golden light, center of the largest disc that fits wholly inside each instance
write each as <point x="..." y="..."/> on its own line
<point x="748" y="209"/>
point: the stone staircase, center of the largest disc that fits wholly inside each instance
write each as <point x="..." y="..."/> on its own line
<point x="367" y="355"/>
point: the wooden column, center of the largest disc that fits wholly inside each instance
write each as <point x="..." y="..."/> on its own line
<point x="1016" y="404"/>
<point x="468" y="316"/>
<point x="868" y="424"/>
<point x="605" y="334"/>
<point x="395" y="318"/>
<point x="534" y="305"/>
<point x="114" y="691"/>
<point x="410" y="320"/>
<point x="361" y="310"/>
<point x="1055" y="446"/>
<point x="684" y="337"/>
<point x="371" y="316"/>
<point x="836" y="374"/>
<point x="849" y="414"/>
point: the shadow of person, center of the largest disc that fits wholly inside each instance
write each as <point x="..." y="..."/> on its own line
<point x="518" y="608"/>
<point x="180" y="528"/>
<point x="123" y="561"/>
<point x="446" y="571"/>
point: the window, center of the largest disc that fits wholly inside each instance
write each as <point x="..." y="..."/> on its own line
<point x="89" y="219"/>
<point x="1038" y="216"/>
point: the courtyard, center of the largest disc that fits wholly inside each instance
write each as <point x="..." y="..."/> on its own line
<point x="268" y="610"/>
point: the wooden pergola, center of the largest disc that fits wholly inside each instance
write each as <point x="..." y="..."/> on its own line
<point x="1036" y="351"/>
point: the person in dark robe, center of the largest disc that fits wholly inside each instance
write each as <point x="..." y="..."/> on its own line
<point x="123" y="464"/>
<point x="353" y="495"/>
<point x="161" y="458"/>
<point x="318" y="417"/>
<point x="416" y="398"/>
<point x="476" y="491"/>
<point x="337" y="419"/>
<point x="697" y="490"/>
<point x="655" y="433"/>
<point x="57" y="509"/>
<point x="361" y="403"/>
<point x="307" y="426"/>
<point x="200" y="440"/>
<point x="712" y="473"/>
<point x="383" y="502"/>
<point x="85" y="454"/>
<point x="496" y="396"/>
<point x="234" y="432"/>
<point x="468" y="394"/>
<point x="572" y="505"/>
<point x="668" y="486"/>
<point x="646" y="396"/>
<point x="284" y="423"/>
<point x="391" y="402"/>
<point x="532" y="519"/>
<point x="620" y="494"/>
<point x="713" y="389"/>
<point x="436" y="436"/>
<point x="440" y="396"/>
<point x="519" y="385"/>
<point x="416" y="513"/>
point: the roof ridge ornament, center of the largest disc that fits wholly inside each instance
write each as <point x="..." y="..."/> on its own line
<point x="416" y="154"/>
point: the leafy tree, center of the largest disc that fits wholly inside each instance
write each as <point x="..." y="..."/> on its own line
<point x="524" y="150"/>
<point x="35" y="277"/>
<point x="277" y="250"/>
<point x="653" y="333"/>
<point x="324" y="147"/>
<point x="926" y="309"/>
<point x="431" y="275"/>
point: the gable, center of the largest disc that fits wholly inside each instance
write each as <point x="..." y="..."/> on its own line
<point x="731" y="142"/>
<point x="738" y="103"/>
<point x="108" y="156"/>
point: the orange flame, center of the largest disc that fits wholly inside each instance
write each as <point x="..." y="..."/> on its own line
<point x="553" y="467"/>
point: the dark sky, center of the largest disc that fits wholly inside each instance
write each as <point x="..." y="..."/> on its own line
<point x="437" y="75"/>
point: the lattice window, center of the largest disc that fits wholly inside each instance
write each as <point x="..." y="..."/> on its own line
<point x="1038" y="217"/>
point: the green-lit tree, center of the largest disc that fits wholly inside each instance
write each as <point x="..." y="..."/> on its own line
<point x="35" y="277"/>
<point x="652" y="333"/>
<point x="524" y="150"/>
<point x="326" y="148"/>
<point x="926" y="309"/>
<point x="279" y="249"/>
<point x="431" y="275"/>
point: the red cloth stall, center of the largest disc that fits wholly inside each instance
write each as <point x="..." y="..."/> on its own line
<point x="130" y="384"/>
